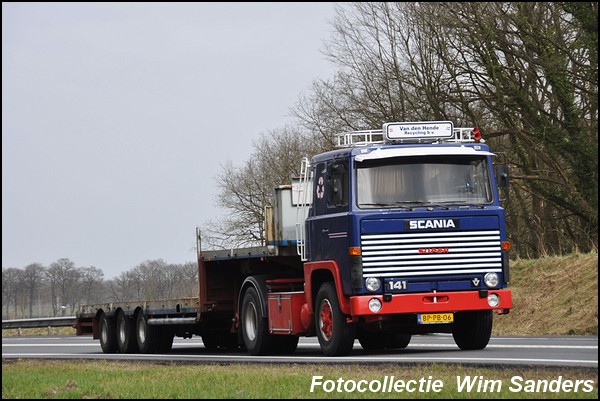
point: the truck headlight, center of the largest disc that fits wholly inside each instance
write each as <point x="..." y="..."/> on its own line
<point x="491" y="280"/>
<point x="372" y="284"/>
<point x="374" y="305"/>
<point x="493" y="300"/>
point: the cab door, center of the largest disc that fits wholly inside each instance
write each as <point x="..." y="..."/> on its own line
<point x="328" y="221"/>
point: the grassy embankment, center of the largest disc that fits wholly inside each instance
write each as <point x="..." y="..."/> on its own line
<point x="553" y="296"/>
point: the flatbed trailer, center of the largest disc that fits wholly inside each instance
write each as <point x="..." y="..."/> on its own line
<point x="119" y="325"/>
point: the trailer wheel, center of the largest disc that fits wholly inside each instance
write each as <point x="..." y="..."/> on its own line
<point x="336" y="336"/>
<point x="108" y="335"/>
<point x="472" y="329"/>
<point x="126" y="341"/>
<point x="254" y="327"/>
<point x="147" y="336"/>
<point x="378" y="340"/>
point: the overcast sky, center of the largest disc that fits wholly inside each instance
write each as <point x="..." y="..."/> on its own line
<point x="115" y="117"/>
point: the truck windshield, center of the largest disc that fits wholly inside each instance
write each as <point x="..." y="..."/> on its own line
<point x="414" y="181"/>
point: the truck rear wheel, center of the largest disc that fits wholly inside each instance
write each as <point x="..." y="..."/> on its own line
<point x="336" y="336"/>
<point x="255" y="328"/>
<point x="108" y="335"/>
<point x="126" y="341"/>
<point x="147" y="336"/>
<point x="472" y="329"/>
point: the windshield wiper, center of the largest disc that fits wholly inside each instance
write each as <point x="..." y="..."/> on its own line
<point x="460" y="203"/>
<point x="439" y="204"/>
<point x="410" y="204"/>
<point x="403" y="204"/>
<point x="377" y="204"/>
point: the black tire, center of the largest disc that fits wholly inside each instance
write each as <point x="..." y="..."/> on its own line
<point x="125" y="329"/>
<point x="147" y="336"/>
<point x="401" y="341"/>
<point x="335" y="335"/>
<point x="108" y="335"/>
<point x="472" y="330"/>
<point x="379" y="340"/>
<point x="284" y="344"/>
<point x="255" y="328"/>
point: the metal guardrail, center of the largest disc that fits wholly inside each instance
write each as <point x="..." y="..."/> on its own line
<point x="64" y="321"/>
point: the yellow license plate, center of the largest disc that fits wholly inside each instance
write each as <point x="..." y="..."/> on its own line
<point x="430" y="318"/>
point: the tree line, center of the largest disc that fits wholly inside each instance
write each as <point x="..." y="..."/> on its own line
<point x="524" y="73"/>
<point x="42" y="291"/>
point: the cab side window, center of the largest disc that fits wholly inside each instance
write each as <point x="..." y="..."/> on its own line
<point x="337" y="183"/>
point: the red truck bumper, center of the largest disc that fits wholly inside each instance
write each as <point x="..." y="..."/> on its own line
<point x="425" y="303"/>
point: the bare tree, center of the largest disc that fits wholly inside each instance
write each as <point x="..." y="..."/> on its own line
<point x="246" y="190"/>
<point x="534" y="67"/>
<point x="152" y="277"/>
<point x="181" y="280"/>
<point x="188" y="279"/>
<point x="63" y="279"/>
<point x="12" y="279"/>
<point x="33" y="277"/>
<point x="525" y="73"/>
<point x="125" y="287"/>
<point x="91" y="283"/>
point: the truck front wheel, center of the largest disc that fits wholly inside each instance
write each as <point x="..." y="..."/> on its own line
<point x="255" y="330"/>
<point x="336" y="336"/>
<point x="472" y="329"/>
<point x="108" y="335"/>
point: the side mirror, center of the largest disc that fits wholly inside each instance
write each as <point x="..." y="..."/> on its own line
<point x="502" y="176"/>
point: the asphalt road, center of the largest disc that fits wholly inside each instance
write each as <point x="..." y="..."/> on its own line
<point x="568" y="351"/>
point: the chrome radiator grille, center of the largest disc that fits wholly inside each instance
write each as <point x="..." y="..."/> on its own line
<point x="431" y="253"/>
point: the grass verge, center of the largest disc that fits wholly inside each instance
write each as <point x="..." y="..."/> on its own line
<point x="127" y="380"/>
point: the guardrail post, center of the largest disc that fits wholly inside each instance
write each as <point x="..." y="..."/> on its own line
<point x="20" y="332"/>
<point x="49" y="332"/>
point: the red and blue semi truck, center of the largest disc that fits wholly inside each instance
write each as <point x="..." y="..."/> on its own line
<point x="397" y="232"/>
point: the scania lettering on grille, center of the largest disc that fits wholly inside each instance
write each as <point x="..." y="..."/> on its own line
<point x="430" y="224"/>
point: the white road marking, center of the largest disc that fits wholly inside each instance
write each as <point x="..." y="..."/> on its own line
<point x="344" y="359"/>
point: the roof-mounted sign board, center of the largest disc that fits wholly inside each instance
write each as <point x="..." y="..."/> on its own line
<point x="418" y="130"/>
